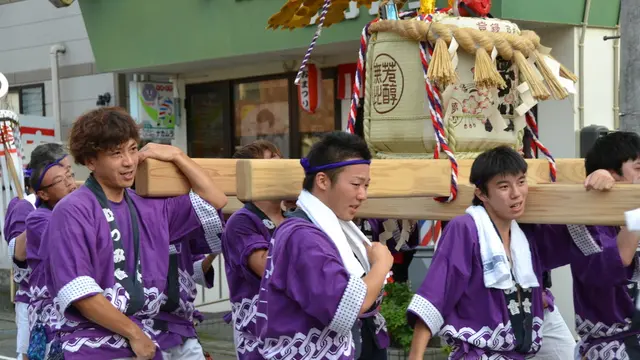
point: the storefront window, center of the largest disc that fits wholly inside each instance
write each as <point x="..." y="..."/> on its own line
<point x="312" y="126"/>
<point x="206" y="114"/>
<point x="262" y="113"/>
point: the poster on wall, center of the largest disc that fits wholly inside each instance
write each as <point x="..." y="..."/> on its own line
<point x="152" y="106"/>
<point x="35" y="130"/>
<point x="267" y="121"/>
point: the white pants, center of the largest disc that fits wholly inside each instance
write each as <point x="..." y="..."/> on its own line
<point x="557" y="341"/>
<point x="22" y="323"/>
<point x="190" y="350"/>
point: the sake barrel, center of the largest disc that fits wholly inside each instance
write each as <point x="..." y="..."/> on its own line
<point x="397" y="119"/>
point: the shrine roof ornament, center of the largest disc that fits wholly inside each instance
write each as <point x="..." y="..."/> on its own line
<point x="296" y="14"/>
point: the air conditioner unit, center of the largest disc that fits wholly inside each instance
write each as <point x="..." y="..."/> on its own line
<point x="61" y="3"/>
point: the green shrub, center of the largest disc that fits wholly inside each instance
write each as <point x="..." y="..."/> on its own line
<point x="394" y="309"/>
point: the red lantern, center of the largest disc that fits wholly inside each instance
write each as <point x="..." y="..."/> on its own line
<point x="310" y="89"/>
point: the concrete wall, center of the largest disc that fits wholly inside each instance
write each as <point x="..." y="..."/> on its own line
<point x="559" y="123"/>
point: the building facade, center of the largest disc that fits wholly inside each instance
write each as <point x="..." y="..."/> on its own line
<point x="28" y="31"/>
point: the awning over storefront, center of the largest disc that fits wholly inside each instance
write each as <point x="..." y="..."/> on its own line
<point x="143" y="35"/>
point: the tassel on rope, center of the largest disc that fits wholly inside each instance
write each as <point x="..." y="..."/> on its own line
<point x="307" y="55"/>
<point x="535" y="44"/>
<point x="485" y="73"/>
<point x="441" y="68"/>
<point x="509" y="46"/>
<point x="538" y="90"/>
<point x="557" y="90"/>
<point x="566" y="73"/>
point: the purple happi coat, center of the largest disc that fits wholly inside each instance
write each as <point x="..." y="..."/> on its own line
<point x="83" y="262"/>
<point x="14" y="225"/>
<point x="603" y="294"/>
<point x="244" y="233"/>
<point x="308" y="301"/>
<point x="41" y="308"/>
<point x="454" y="302"/>
<point x="180" y="323"/>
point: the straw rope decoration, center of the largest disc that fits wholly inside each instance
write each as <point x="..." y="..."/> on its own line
<point x="532" y="126"/>
<point x="435" y="107"/>
<point x="481" y="43"/>
<point x="307" y="55"/>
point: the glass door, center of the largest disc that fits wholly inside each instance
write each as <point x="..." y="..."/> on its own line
<point x="208" y="105"/>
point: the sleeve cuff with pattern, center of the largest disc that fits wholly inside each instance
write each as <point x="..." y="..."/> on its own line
<point x="210" y="220"/>
<point x="636" y="269"/>
<point x="583" y="239"/>
<point x="349" y="306"/>
<point x="427" y="312"/>
<point x="12" y="249"/>
<point x="76" y="289"/>
<point x="200" y="277"/>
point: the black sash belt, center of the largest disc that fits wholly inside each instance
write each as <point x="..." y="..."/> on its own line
<point x="173" y="285"/>
<point x="270" y="225"/>
<point x="519" y="306"/>
<point x="129" y="282"/>
<point x="521" y="318"/>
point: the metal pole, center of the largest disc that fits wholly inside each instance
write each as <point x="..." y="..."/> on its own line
<point x="629" y="65"/>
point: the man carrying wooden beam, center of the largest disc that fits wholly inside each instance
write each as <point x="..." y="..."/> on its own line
<point x="322" y="272"/>
<point x="51" y="179"/>
<point x="244" y="245"/>
<point x="485" y="260"/>
<point x="111" y="269"/>
<point x="605" y="293"/>
<point x="16" y="223"/>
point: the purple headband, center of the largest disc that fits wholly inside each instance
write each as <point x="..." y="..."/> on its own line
<point x="308" y="169"/>
<point x="55" y="163"/>
<point x="27" y="172"/>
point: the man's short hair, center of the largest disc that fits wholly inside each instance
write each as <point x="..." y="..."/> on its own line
<point x="41" y="157"/>
<point x="101" y="129"/>
<point x="256" y="150"/>
<point x="335" y="147"/>
<point x="499" y="161"/>
<point x="611" y="151"/>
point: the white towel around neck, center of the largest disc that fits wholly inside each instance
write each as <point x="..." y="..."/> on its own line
<point x="32" y="199"/>
<point x="346" y="236"/>
<point x="495" y="263"/>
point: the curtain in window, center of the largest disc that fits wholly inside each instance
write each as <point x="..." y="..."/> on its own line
<point x="32" y="101"/>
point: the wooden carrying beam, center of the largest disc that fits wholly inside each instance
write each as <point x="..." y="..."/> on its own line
<point x="546" y="204"/>
<point x="400" y="188"/>
<point x="282" y="179"/>
<point x="279" y="179"/>
<point x="233" y="204"/>
<point x="161" y="179"/>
